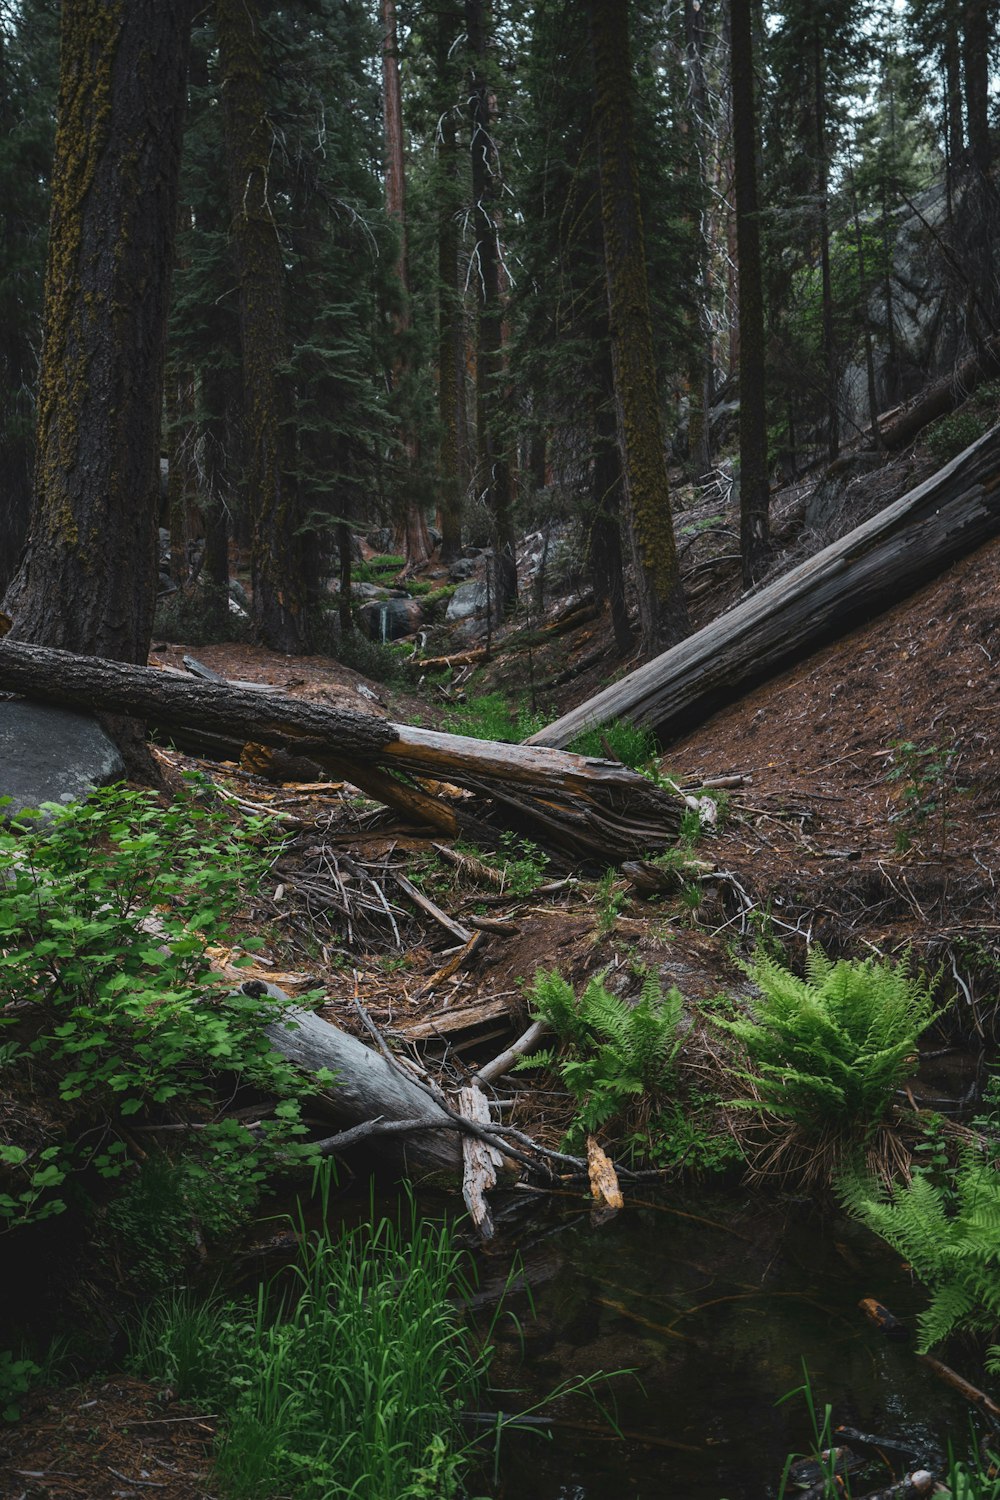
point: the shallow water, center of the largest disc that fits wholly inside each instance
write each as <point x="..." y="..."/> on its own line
<point x="714" y="1301"/>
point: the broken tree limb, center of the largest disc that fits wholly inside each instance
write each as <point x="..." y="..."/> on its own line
<point x="581" y="805"/>
<point x="504" y="1061"/>
<point x="942" y="397"/>
<point x="855" y="578"/>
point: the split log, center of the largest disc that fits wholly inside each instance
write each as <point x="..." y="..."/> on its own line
<point x="582" y="805"/>
<point x="481" y="1161"/>
<point x="855" y="578"/>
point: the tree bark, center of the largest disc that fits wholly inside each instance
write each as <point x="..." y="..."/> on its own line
<point x="416" y="540"/>
<point x="88" y="579"/>
<point x="856" y="578"/>
<point x="976" y="74"/>
<point x="368" y="1087"/>
<point x="494" y="480"/>
<point x="755" y="489"/>
<point x="283" y="555"/>
<point x="662" y="611"/>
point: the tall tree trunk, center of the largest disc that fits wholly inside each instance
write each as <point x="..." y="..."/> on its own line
<point x="494" y="480"/>
<point x="662" y="612"/>
<point x="703" y="347"/>
<point x="283" y="555"/>
<point x="951" y="62"/>
<point x="451" y="342"/>
<point x="976" y="74"/>
<point x="606" y="560"/>
<point x="87" y="582"/>
<point x="822" y="190"/>
<point x="416" y="540"/>
<point x="755" y="490"/>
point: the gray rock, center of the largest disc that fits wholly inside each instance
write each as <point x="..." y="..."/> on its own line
<point x="52" y="755"/>
<point x="825" y="507"/>
<point x="238" y="592"/>
<point x="390" y="619"/>
<point x="461" y="569"/>
<point x="468" y="599"/>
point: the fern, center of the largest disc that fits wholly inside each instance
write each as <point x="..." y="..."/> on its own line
<point x="829" y="1051"/>
<point x="950" y="1234"/>
<point x="612" y="1051"/>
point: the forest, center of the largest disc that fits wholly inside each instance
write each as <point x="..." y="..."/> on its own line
<point x="499" y="807"/>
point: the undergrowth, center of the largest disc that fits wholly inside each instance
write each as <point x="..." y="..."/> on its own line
<point x="108" y="1000"/>
<point x="345" y="1376"/>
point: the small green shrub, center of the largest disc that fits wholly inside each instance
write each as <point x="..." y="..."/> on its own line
<point x="107" y="912"/>
<point x="925" y="777"/>
<point x="949" y="435"/>
<point x="380" y="569"/>
<point x="949" y="1232"/>
<point x="825" y="1054"/>
<point x="381" y="661"/>
<point x="17" y="1376"/>
<point x="199" y="615"/>
<point x="612" y="1052"/>
<point x="491" y="716"/>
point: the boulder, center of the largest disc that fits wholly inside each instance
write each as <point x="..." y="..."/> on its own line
<point x="461" y="569"/>
<point x="390" y="619"/>
<point x="51" y="754"/>
<point x="468" y="599"/>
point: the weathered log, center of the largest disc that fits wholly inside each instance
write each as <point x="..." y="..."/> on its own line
<point x="369" y="1088"/>
<point x="525" y="1044"/>
<point x="169" y="699"/>
<point x="481" y="1161"/>
<point x="855" y="578"/>
<point x="587" y="806"/>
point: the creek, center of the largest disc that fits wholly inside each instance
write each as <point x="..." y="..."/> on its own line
<point x="714" y="1300"/>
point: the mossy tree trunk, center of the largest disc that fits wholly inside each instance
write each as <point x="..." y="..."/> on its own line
<point x="754" y="485"/>
<point x="88" y="578"/>
<point x="494" y="480"/>
<point x="283" y="552"/>
<point x="662" y="611"/>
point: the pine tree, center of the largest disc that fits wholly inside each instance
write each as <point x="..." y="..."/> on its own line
<point x="662" y="611"/>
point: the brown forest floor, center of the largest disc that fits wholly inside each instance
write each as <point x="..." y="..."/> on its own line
<point x="812" y="838"/>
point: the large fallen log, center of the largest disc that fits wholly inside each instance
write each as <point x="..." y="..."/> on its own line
<point x="584" y="806"/>
<point x="853" y="579"/>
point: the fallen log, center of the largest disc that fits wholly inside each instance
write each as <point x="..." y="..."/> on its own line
<point x="942" y="397"/>
<point x="368" y="1088"/>
<point x="584" y="806"/>
<point x="855" y="578"/>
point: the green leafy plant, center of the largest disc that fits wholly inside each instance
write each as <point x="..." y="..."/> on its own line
<point x="17" y="1376"/>
<point x="612" y="1052"/>
<point x="826" y="1053"/>
<point x="949" y="435"/>
<point x="107" y="912"/>
<point x="524" y="864"/>
<point x="949" y="1231"/>
<point x="610" y="899"/>
<point x="823" y="1449"/>
<point x="925" y="777"/>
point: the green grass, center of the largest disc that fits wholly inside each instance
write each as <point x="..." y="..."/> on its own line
<point x="491" y="716"/>
<point x="632" y="744"/>
<point x="343" y="1377"/>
